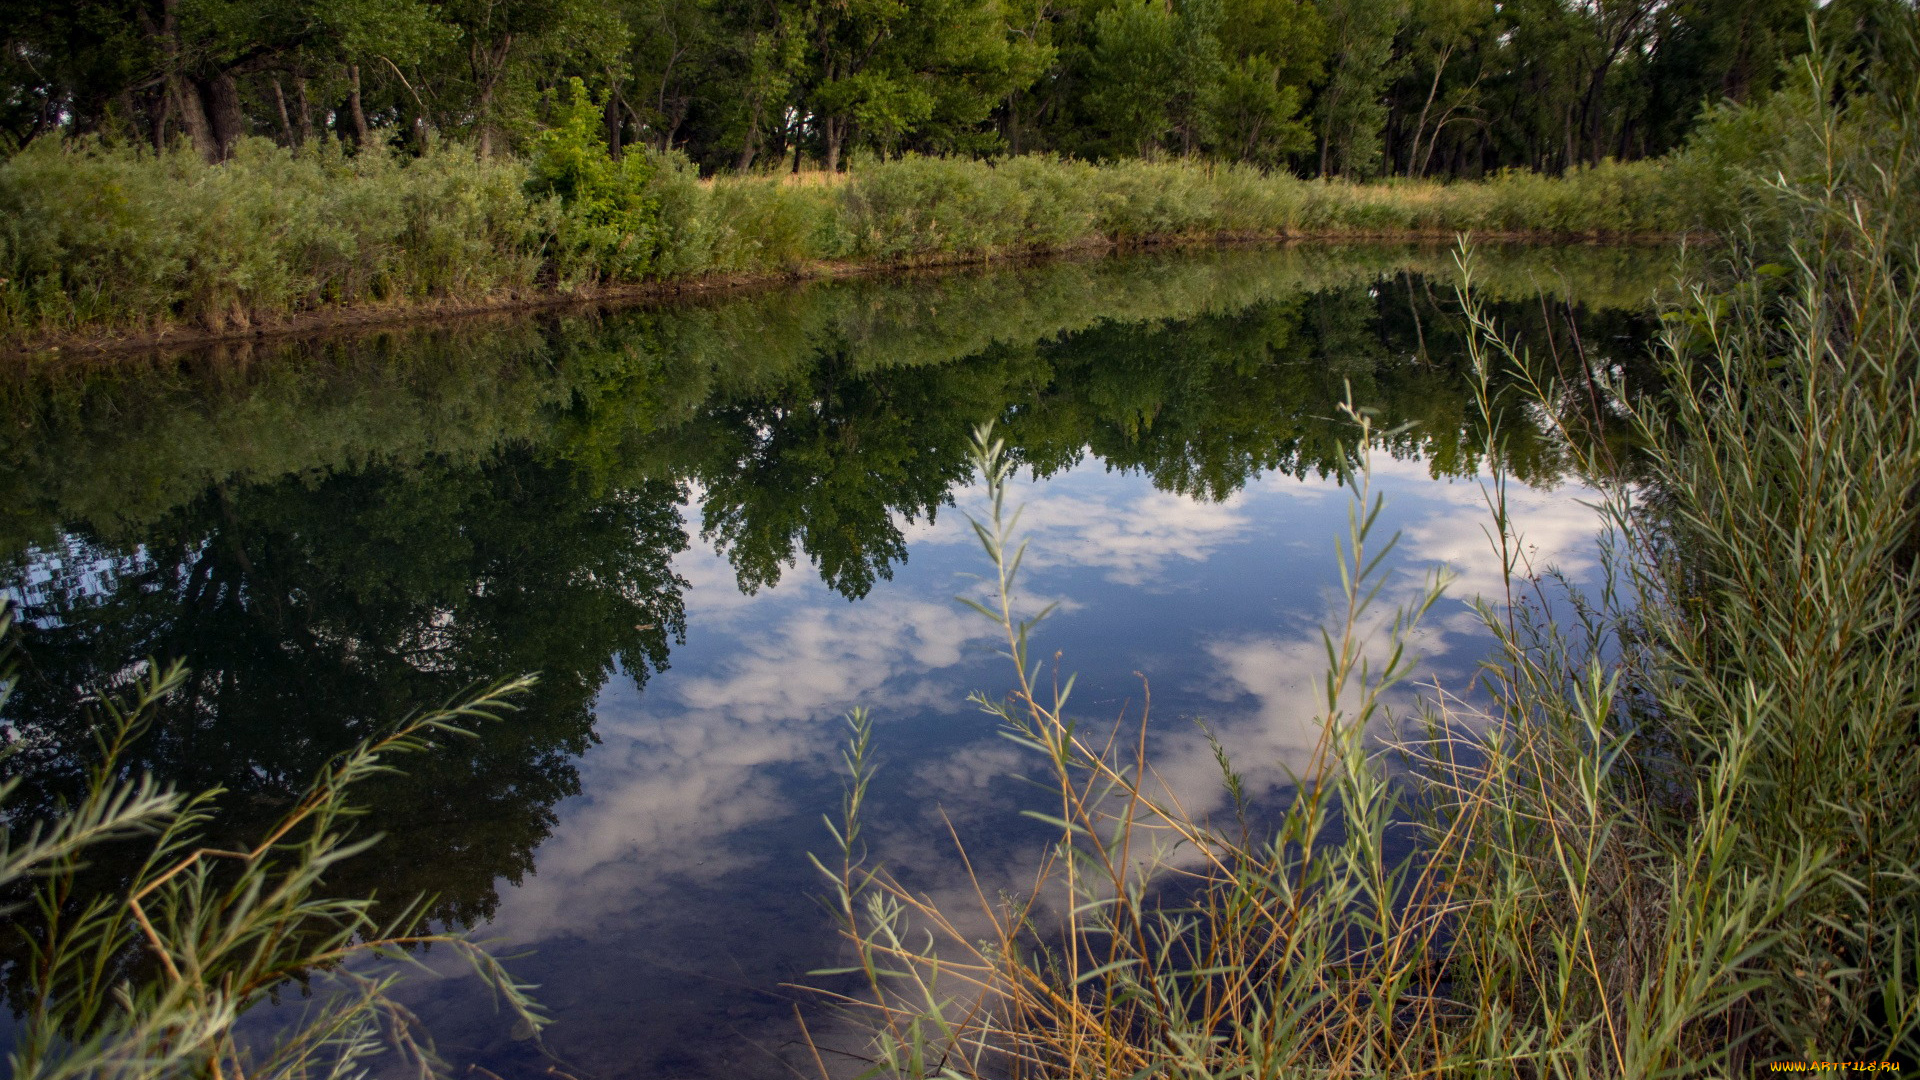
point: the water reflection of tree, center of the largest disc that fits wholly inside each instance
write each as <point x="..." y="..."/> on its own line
<point x="317" y="596"/>
<point x="830" y="465"/>
<point x="314" y="609"/>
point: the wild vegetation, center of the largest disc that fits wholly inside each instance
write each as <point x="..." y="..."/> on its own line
<point x="151" y="975"/>
<point x="1677" y="838"/>
<point x="226" y="165"/>
<point x="101" y="239"/>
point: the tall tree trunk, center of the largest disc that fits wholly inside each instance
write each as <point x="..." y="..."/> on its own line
<point x="222" y="95"/>
<point x="750" y="146"/>
<point x="615" y="129"/>
<point x="159" y="112"/>
<point x="488" y="67"/>
<point x="486" y="121"/>
<point x="192" y="109"/>
<point x="1595" y="113"/>
<point x="836" y="131"/>
<point x="306" y="110"/>
<point x="1420" y="125"/>
<point x="180" y="96"/>
<point x="280" y="110"/>
<point x="356" y="116"/>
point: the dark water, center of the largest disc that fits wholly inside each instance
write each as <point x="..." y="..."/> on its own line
<point x="715" y="527"/>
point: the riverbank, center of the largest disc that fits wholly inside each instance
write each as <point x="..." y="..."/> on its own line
<point x="1434" y="257"/>
<point x="105" y="248"/>
<point x="1668" y="827"/>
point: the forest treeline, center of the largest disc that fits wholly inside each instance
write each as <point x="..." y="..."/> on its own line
<point x="1355" y="88"/>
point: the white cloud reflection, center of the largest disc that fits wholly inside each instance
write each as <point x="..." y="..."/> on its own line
<point x="691" y="801"/>
<point x="1075" y="521"/>
<point x="691" y="761"/>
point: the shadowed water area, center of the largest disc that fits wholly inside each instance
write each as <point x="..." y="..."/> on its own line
<point x="713" y="528"/>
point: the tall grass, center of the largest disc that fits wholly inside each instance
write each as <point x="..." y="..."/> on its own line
<point x="1679" y="838"/>
<point x="96" y="240"/>
<point x="148" y="974"/>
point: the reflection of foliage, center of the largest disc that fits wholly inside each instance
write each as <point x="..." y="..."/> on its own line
<point x="148" y="976"/>
<point x="833" y="461"/>
<point x="830" y="463"/>
<point x="825" y="467"/>
<point x="349" y="533"/>
<point x="311" y="610"/>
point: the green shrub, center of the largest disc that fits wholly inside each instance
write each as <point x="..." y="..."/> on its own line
<point x="116" y="238"/>
<point x="763" y="225"/>
<point x="611" y="228"/>
<point x="106" y="239"/>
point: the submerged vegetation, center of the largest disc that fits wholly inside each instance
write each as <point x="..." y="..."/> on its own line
<point x="1674" y="836"/>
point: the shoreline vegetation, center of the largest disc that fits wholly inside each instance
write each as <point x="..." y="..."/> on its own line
<point x="1427" y="253"/>
<point x="107" y="248"/>
<point x="225" y="168"/>
<point x="1675" y="837"/>
<point x="1668" y="830"/>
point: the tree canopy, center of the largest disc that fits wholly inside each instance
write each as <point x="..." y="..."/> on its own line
<point x="1349" y="87"/>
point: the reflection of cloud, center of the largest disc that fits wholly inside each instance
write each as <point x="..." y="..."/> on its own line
<point x="661" y="799"/>
<point x="1554" y="527"/>
<point x="704" y="794"/>
<point x="678" y="773"/>
<point x="1131" y="541"/>
<point x="682" y="773"/>
<point x="1076" y="520"/>
<point x="824" y="659"/>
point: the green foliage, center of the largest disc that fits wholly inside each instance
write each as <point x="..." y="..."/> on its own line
<point x="151" y="978"/>
<point x="1352" y="107"/>
<point x="1411" y="87"/>
<point x="612" y="214"/>
<point x="1135" y="57"/>
<point x="126" y="239"/>
<point x="97" y="240"/>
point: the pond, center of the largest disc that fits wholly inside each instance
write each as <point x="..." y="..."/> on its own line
<point x="714" y="527"/>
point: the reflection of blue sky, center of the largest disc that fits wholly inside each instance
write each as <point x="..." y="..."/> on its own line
<point x="675" y="885"/>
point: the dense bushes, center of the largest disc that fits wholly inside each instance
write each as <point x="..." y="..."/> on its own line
<point x="94" y="238"/>
<point x="611" y="225"/>
<point x="98" y="237"/>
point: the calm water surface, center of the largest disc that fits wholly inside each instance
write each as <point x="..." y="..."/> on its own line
<point x="713" y="529"/>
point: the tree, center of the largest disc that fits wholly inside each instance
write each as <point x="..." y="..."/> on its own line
<point x="177" y="66"/>
<point x="1441" y="30"/>
<point x="1351" y="112"/>
<point x="891" y="69"/>
<point x="1275" y="51"/>
<point x="1134" y="63"/>
<point x="515" y="53"/>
